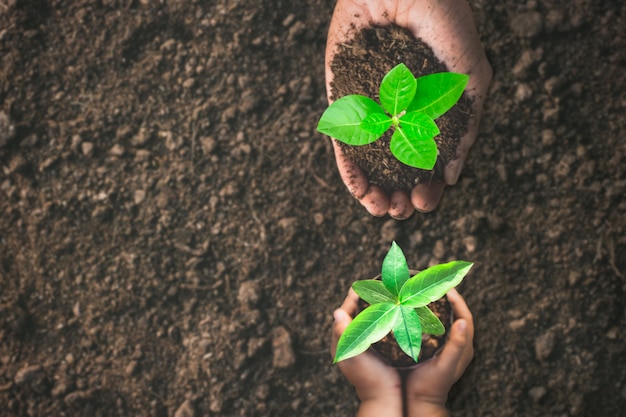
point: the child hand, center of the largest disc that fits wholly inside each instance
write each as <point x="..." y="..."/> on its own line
<point x="378" y="385"/>
<point x="428" y="385"/>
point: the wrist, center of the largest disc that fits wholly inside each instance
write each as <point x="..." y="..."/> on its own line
<point x="380" y="407"/>
<point x="425" y="408"/>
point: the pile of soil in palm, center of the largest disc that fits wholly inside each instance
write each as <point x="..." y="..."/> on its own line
<point x="358" y="68"/>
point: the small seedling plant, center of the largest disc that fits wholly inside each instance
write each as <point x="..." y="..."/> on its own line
<point x="410" y="105"/>
<point x="399" y="304"/>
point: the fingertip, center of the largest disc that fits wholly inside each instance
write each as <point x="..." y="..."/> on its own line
<point x="375" y="201"/>
<point x="340" y="316"/>
<point x="400" y="207"/>
<point x="426" y="197"/>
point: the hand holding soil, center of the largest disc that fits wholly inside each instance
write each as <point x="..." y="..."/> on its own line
<point x="377" y="384"/>
<point x="380" y="387"/>
<point x="449" y="29"/>
<point x="428" y="385"/>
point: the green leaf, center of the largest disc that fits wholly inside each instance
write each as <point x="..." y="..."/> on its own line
<point x="430" y="322"/>
<point x="433" y="283"/>
<point x="376" y="123"/>
<point x="371" y="325"/>
<point x="407" y="331"/>
<point x="395" y="271"/>
<point x="413" y="152"/>
<point x="374" y="291"/>
<point x="437" y="93"/>
<point x="397" y="89"/>
<point x="342" y="119"/>
<point x="419" y="125"/>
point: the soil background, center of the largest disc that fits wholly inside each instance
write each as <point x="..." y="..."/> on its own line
<point x="174" y="235"/>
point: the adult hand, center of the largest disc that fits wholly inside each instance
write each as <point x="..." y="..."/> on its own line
<point x="448" y="28"/>
<point x="378" y="385"/>
<point x="428" y="385"/>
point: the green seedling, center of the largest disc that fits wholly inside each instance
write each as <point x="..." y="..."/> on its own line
<point x="399" y="304"/>
<point x="409" y="105"/>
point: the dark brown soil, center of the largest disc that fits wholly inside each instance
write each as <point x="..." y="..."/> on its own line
<point x="174" y="235"/>
<point x="358" y="68"/>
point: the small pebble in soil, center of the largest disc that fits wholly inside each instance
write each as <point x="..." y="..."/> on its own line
<point x="439" y="250"/>
<point x="249" y="293"/>
<point x="186" y="409"/>
<point x="389" y="231"/>
<point x="470" y="243"/>
<point x="544" y="345"/>
<point x="117" y="150"/>
<point x="537" y="393"/>
<point x="87" y="148"/>
<point x="255" y="344"/>
<point x="139" y="196"/>
<point x="283" y="354"/>
<point x="527" y="25"/>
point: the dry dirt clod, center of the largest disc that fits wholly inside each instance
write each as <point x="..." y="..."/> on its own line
<point x="537" y="393"/>
<point x="527" y="25"/>
<point x="186" y="409"/>
<point x="249" y="293"/>
<point x="544" y="345"/>
<point x="283" y="354"/>
<point x="87" y="148"/>
<point x="389" y="231"/>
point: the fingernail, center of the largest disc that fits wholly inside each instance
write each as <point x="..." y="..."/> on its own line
<point x="338" y="315"/>
<point x="462" y="325"/>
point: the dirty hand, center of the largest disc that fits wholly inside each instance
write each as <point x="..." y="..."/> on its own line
<point x="428" y="385"/>
<point x="448" y="28"/>
<point x="378" y="385"/>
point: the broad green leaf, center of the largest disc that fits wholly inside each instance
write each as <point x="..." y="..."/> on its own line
<point x="395" y="271"/>
<point x="373" y="291"/>
<point x="416" y="153"/>
<point x="430" y="323"/>
<point x="376" y="123"/>
<point x="397" y="89"/>
<point x="437" y="93"/>
<point x="433" y="283"/>
<point x="418" y="125"/>
<point x="342" y="119"/>
<point x="407" y="331"/>
<point x="368" y="327"/>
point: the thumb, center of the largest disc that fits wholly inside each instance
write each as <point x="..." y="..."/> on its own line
<point x="452" y="354"/>
<point x="342" y="319"/>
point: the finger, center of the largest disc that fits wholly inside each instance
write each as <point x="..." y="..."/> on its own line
<point x="372" y="197"/>
<point x="350" y="303"/>
<point x="375" y="201"/>
<point x="343" y="316"/>
<point x="453" y="359"/>
<point x="462" y="311"/>
<point x="342" y="320"/>
<point x="480" y="78"/>
<point x="400" y="206"/>
<point x="452" y="170"/>
<point x="460" y="308"/>
<point x="426" y="197"/>
<point x="351" y="175"/>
